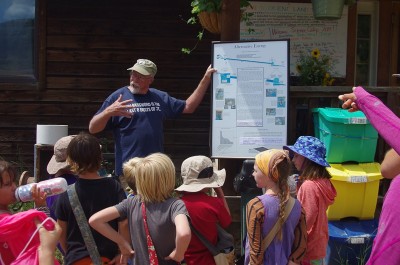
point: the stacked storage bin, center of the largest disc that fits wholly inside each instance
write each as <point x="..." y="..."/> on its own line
<point x="350" y="141"/>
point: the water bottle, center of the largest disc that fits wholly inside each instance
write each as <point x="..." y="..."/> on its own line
<point x="50" y="187"/>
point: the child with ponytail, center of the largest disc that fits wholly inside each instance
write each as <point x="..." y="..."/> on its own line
<point x="271" y="172"/>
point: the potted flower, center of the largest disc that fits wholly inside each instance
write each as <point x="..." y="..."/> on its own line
<point x="315" y="69"/>
<point x="207" y="13"/>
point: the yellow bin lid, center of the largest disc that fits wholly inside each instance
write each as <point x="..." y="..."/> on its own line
<point x="355" y="173"/>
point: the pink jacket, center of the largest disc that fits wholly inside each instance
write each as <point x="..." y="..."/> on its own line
<point x="315" y="196"/>
<point x="386" y="246"/>
<point x="16" y="231"/>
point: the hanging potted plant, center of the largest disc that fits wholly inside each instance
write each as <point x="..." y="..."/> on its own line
<point x="208" y="14"/>
<point x="329" y="9"/>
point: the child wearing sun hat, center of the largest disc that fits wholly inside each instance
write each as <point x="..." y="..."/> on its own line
<point x="59" y="168"/>
<point x="315" y="194"/>
<point x="205" y="211"/>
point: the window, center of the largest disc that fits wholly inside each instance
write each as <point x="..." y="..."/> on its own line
<point x="17" y="27"/>
<point x="366" y="60"/>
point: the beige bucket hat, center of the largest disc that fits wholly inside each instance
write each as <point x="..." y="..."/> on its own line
<point x="59" y="159"/>
<point x="198" y="173"/>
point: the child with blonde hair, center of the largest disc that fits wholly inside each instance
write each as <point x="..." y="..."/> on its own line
<point x="158" y="222"/>
<point x="271" y="172"/>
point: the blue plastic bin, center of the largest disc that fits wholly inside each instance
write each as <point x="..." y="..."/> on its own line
<point x="350" y="241"/>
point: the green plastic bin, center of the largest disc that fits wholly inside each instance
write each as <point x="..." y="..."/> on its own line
<point x="348" y="136"/>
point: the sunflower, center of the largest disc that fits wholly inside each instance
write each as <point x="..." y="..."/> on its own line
<point x="315" y="69"/>
<point x="315" y="53"/>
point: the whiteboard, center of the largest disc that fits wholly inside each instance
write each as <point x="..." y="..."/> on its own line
<point x="249" y="97"/>
<point x="295" y="21"/>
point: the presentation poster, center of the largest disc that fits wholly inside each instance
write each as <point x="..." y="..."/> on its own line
<point x="249" y="97"/>
<point x="295" y="21"/>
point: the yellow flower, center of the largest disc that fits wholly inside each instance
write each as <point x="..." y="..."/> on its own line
<point x="325" y="81"/>
<point x="315" y="53"/>
<point x="315" y="69"/>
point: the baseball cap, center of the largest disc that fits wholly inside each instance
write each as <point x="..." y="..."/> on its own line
<point x="144" y="67"/>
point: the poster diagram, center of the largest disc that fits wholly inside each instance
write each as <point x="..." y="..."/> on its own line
<point x="249" y="97"/>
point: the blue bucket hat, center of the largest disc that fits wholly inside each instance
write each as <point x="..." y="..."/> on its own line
<point x="311" y="148"/>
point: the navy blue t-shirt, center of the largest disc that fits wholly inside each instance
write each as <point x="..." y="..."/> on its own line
<point x="142" y="134"/>
<point x="94" y="195"/>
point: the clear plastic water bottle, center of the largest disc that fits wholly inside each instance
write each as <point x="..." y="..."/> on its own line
<point x="50" y="187"/>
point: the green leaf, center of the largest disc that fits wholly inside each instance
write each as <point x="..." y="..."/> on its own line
<point x="186" y="50"/>
<point x="200" y="35"/>
<point x="192" y="21"/>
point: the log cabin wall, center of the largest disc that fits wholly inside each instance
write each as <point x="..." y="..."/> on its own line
<point x="85" y="49"/>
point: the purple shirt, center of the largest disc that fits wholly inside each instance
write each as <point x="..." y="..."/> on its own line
<point x="278" y="251"/>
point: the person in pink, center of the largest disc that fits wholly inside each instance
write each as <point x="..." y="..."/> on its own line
<point x="205" y="211"/>
<point x="315" y="194"/>
<point x="16" y="230"/>
<point x="386" y="245"/>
